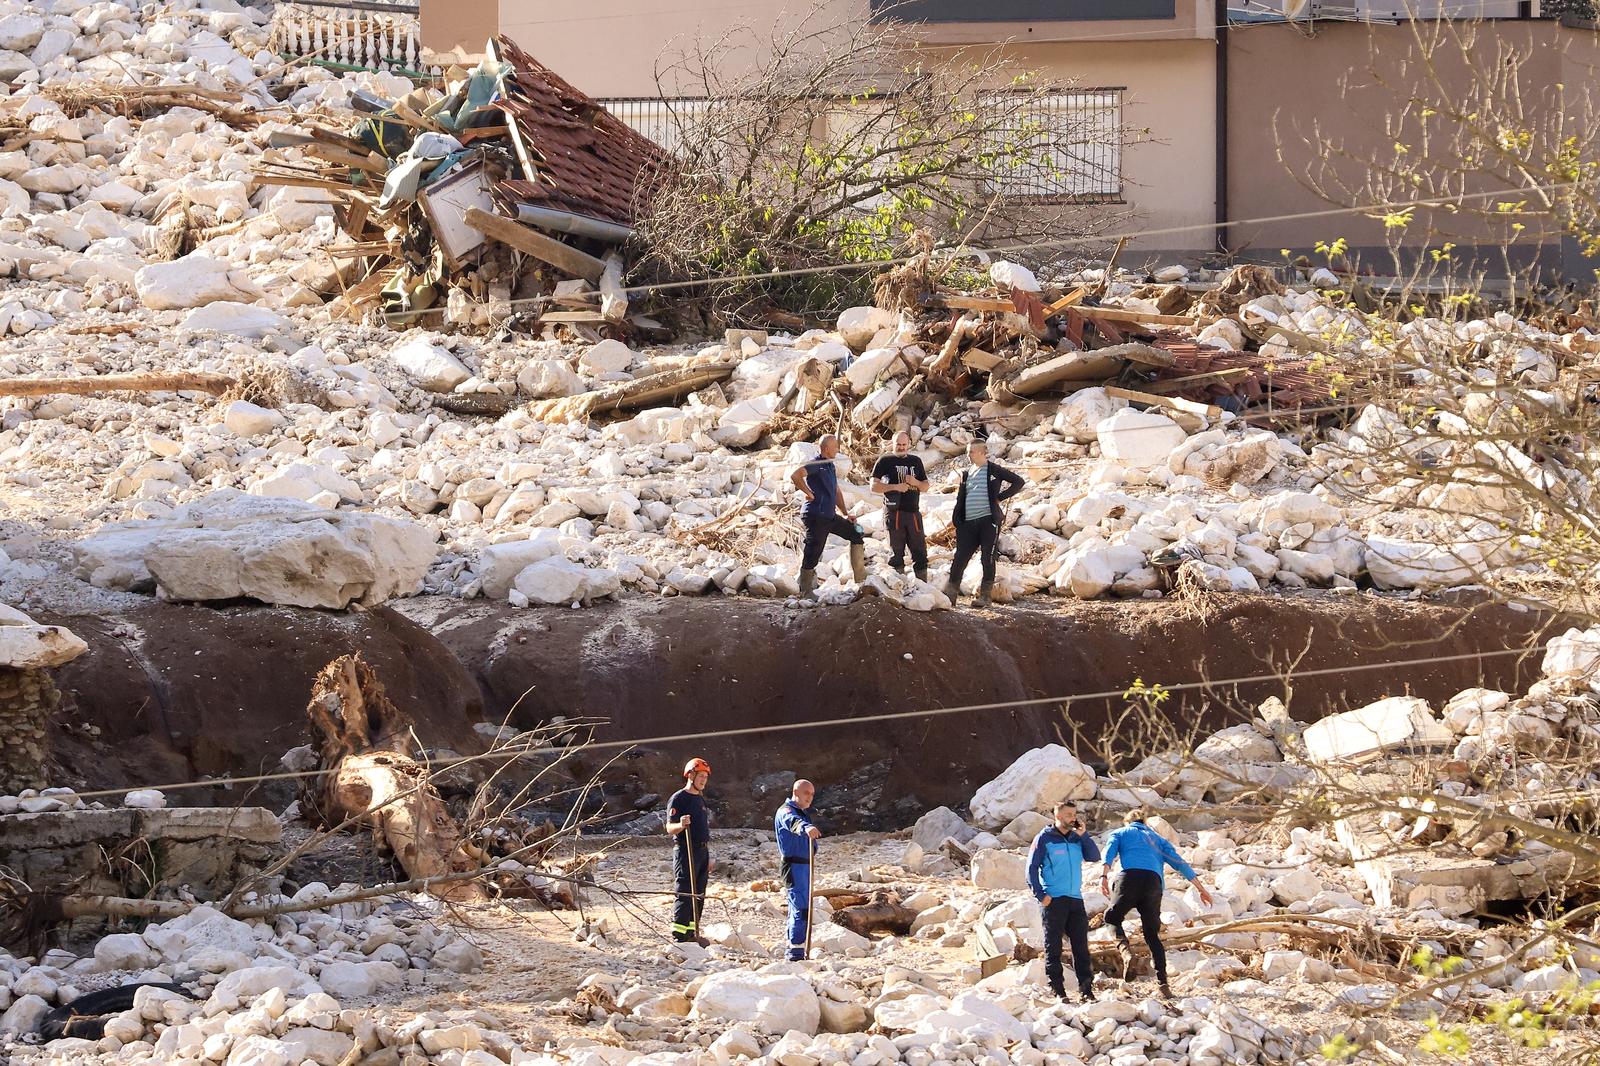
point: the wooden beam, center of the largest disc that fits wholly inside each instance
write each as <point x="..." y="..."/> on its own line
<point x="1118" y="314"/>
<point x="368" y="163"/>
<point x="1069" y="300"/>
<point x="88" y="385"/>
<point x="974" y="303"/>
<point x="1171" y="403"/>
<point x="589" y="317"/>
<point x="563" y="257"/>
<point x="978" y="359"/>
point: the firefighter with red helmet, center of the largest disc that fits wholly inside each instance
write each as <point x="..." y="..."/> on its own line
<point x="690" y="826"/>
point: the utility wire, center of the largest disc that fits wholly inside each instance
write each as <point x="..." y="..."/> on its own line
<point x="788" y="727"/>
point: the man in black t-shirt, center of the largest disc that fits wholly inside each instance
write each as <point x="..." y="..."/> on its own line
<point x="901" y="480"/>
<point x="690" y="826"/>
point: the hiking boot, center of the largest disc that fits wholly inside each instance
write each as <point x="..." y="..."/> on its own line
<point x="983" y="595"/>
<point x="808" y="584"/>
<point x="1125" y="957"/>
<point x="702" y="941"/>
<point x="953" y="592"/>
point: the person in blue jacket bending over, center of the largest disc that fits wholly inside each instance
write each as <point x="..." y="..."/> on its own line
<point x="1055" y="873"/>
<point x="1144" y="852"/>
<point x="797" y="836"/>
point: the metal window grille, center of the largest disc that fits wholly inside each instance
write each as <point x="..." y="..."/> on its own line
<point x="662" y="120"/>
<point x="1062" y="146"/>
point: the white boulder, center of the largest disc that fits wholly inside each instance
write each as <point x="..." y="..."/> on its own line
<point x="1035" y="782"/>
<point x="27" y="645"/>
<point x="236" y="319"/>
<point x="191" y="281"/>
<point x="1393" y="723"/>
<point x="607" y="357"/>
<point x="1138" y="438"/>
<point x="777" y="1002"/>
<point x="429" y="366"/>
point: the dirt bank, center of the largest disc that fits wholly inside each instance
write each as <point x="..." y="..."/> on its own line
<point x="660" y="668"/>
<point x="179" y="692"/>
<point x="182" y="691"/>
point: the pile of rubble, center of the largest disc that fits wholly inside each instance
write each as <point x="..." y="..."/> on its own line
<point x="194" y="414"/>
<point x="1305" y="932"/>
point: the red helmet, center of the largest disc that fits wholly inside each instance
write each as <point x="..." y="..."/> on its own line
<point x="696" y="766"/>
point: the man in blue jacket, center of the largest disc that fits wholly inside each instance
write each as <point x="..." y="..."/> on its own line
<point x="797" y="836"/>
<point x="1055" y="873"/>
<point x="1144" y="853"/>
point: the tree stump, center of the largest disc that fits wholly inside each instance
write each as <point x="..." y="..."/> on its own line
<point x="361" y="740"/>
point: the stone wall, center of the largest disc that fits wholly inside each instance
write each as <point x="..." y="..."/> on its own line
<point x="27" y="700"/>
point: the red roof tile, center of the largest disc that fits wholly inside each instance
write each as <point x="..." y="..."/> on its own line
<point x="588" y="161"/>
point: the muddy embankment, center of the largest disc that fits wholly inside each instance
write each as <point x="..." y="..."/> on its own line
<point x="178" y="692"/>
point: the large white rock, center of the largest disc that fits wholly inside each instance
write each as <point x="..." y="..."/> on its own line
<point x="1574" y="654"/>
<point x="1009" y="275"/>
<point x="1079" y="415"/>
<point x="865" y="370"/>
<point x="1406" y="564"/>
<point x="124" y="951"/>
<point x="358" y="980"/>
<point x="305" y="482"/>
<point x="858" y="325"/>
<point x="1138" y="438"/>
<point x="607" y="357"/>
<point x="245" y="419"/>
<point x="27" y="645"/>
<point x="778" y="1002"/>
<point x="1035" y="782"/>
<point x="499" y="564"/>
<point x="742" y="424"/>
<point x="430" y="366"/>
<point x="975" y="1016"/>
<point x="229" y="545"/>
<point x="236" y="319"/>
<point x="996" y="869"/>
<point x="938" y="825"/>
<point x="243" y="986"/>
<point x="545" y="379"/>
<point x="191" y="281"/>
<point x="1397" y="722"/>
<point x="552" y="581"/>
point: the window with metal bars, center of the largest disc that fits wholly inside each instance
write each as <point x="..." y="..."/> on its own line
<point x="662" y="120"/>
<point x="1060" y="146"/>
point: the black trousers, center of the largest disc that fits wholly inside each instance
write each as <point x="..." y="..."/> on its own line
<point x="1066" y="915"/>
<point x="1140" y="890"/>
<point x="691" y="899"/>
<point x="905" y="531"/>
<point x="977" y="536"/>
<point x="817" y="532"/>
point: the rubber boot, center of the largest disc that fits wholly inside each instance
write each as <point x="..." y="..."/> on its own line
<point x="921" y="572"/>
<point x="983" y="595"/>
<point x="808" y="583"/>
<point x="858" y="562"/>
<point x="952" y="591"/>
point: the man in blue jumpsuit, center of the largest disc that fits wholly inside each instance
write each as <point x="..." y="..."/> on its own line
<point x="1144" y="853"/>
<point x="797" y="837"/>
<point x="1055" y="873"/>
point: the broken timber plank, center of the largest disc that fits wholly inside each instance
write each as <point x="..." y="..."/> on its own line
<point x="1149" y="318"/>
<point x="1143" y="354"/>
<point x="978" y="359"/>
<point x="1066" y="301"/>
<point x="613" y="297"/>
<point x="369" y="163"/>
<point x="197" y="381"/>
<point x="1073" y="366"/>
<point x="571" y="317"/>
<point x="974" y="303"/>
<point x="1171" y="403"/>
<point x="563" y="257"/>
<point x="651" y="389"/>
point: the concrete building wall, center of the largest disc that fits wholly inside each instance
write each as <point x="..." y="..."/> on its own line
<point x="614" y="48"/>
<point x="1290" y="96"/>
